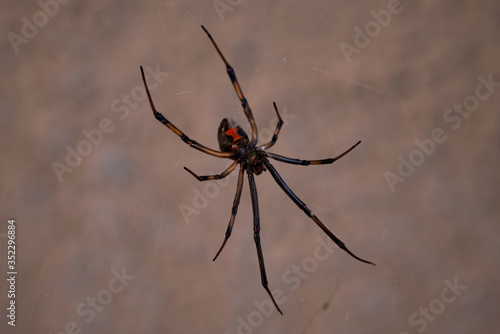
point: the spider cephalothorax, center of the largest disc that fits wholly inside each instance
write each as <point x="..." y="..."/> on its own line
<point x="253" y="159"/>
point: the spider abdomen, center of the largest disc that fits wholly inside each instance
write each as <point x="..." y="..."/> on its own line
<point x="231" y="136"/>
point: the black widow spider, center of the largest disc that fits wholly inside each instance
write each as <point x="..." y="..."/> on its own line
<point x="252" y="159"/>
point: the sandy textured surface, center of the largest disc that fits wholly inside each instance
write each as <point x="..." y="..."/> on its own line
<point x="121" y="239"/>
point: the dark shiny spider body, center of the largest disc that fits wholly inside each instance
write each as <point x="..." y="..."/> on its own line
<point x="232" y="138"/>
<point x="253" y="159"/>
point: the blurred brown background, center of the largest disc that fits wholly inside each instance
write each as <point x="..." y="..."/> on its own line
<point x="119" y="210"/>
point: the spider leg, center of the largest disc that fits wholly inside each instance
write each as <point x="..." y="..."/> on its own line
<point x="276" y="132"/>
<point x="237" y="87"/>
<point x="308" y="162"/>
<point x="178" y="132"/>
<point x="307" y="211"/>
<point x="256" y="235"/>
<point x="234" y="210"/>
<point x="222" y="175"/>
